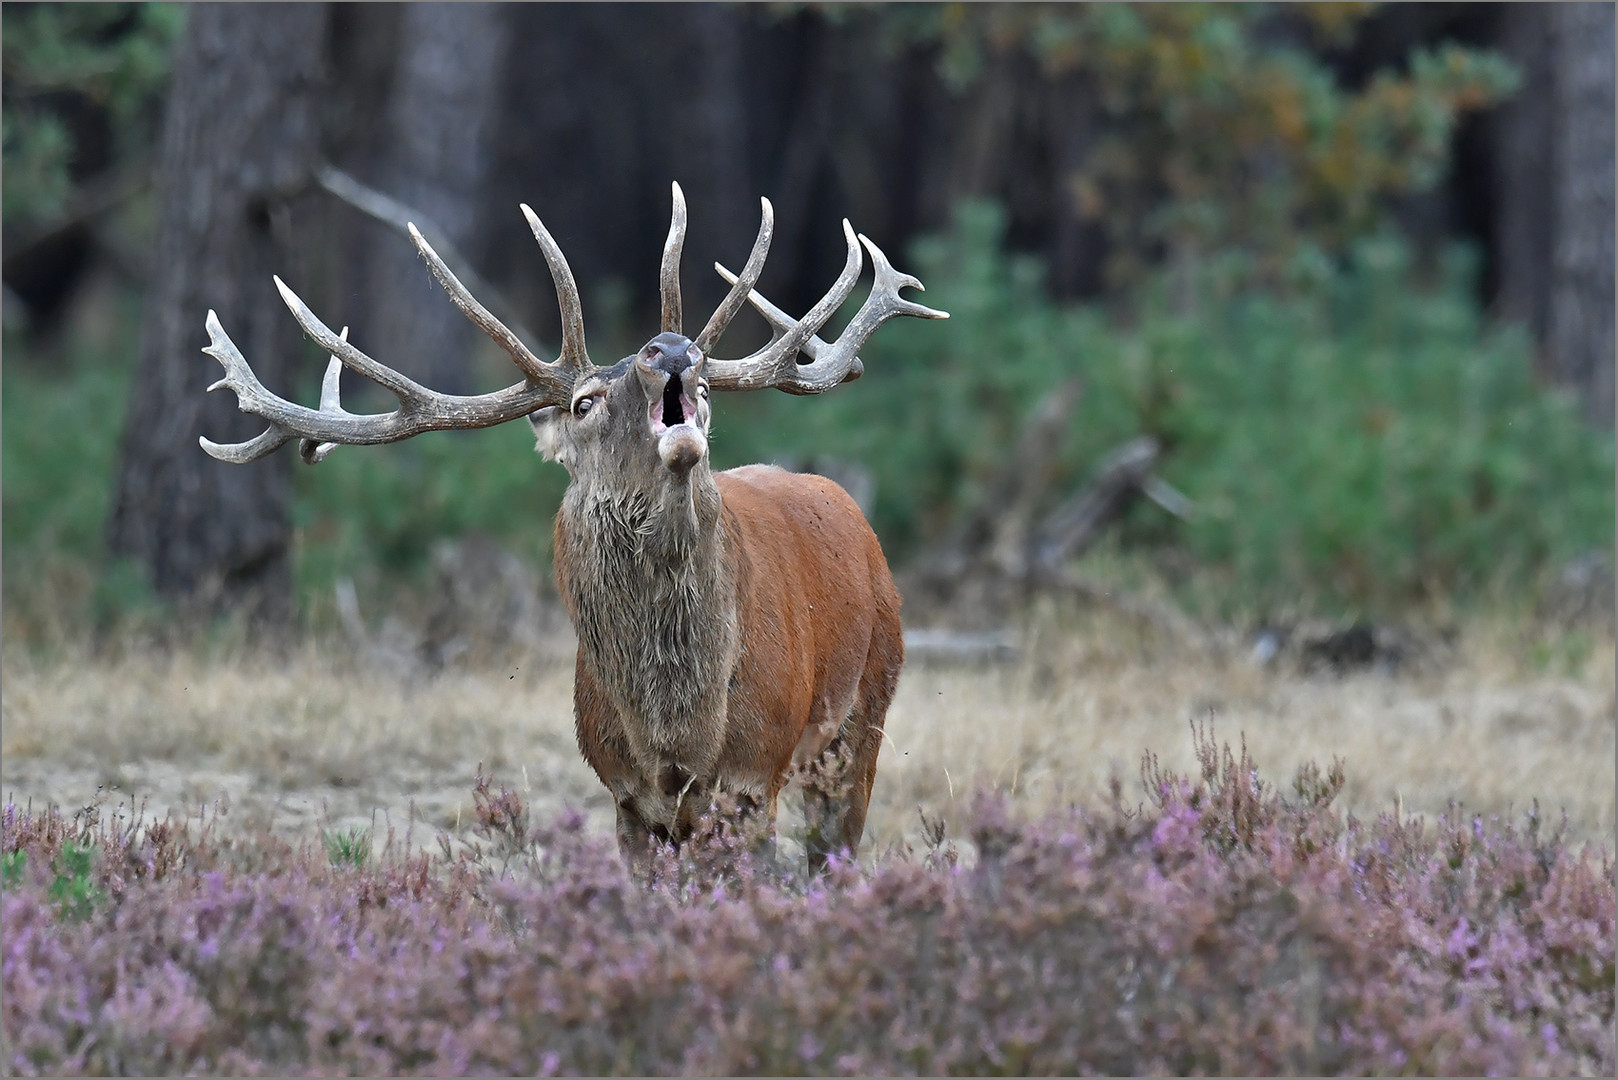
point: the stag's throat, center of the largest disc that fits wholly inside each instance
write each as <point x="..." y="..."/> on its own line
<point x="644" y="580"/>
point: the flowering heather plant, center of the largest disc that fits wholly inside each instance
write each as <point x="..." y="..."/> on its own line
<point x="1223" y="927"/>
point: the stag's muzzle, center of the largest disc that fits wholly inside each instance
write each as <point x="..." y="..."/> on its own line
<point x="670" y="371"/>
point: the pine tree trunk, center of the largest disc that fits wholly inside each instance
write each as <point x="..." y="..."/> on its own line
<point x="1524" y="146"/>
<point x="1580" y="338"/>
<point x="239" y="141"/>
<point x="440" y="118"/>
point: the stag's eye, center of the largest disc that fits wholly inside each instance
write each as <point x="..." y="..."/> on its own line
<point x="583" y="406"/>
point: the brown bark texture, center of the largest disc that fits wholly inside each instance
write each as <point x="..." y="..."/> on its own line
<point x="440" y="118"/>
<point x="1579" y="337"/>
<point x="239" y="142"/>
<point x="1524" y="145"/>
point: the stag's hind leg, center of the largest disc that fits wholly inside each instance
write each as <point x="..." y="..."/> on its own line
<point x="837" y="785"/>
<point x="837" y="791"/>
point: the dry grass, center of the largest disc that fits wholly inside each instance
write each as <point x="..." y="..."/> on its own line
<point x="309" y="740"/>
<point x="1492" y="728"/>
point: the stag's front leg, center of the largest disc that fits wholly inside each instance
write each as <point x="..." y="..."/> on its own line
<point x="638" y="842"/>
<point x="735" y="826"/>
<point x="661" y="810"/>
<point x="755" y="824"/>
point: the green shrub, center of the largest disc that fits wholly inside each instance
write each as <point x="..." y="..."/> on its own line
<point x="74" y="890"/>
<point x="60" y="421"/>
<point x="106" y="62"/>
<point x="1360" y="437"/>
<point x="61" y="446"/>
<point x="376" y="511"/>
<point x="1371" y="440"/>
<point x="12" y="864"/>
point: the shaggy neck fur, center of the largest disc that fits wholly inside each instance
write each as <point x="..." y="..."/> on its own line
<point x="643" y="578"/>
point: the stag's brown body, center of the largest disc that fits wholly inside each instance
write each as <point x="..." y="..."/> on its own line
<point x="735" y="629"/>
<point x="767" y="644"/>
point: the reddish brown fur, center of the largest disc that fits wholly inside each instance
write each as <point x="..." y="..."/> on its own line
<point x="819" y="659"/>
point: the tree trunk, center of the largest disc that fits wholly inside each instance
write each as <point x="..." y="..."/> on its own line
<point x="1524" y="145"/>
<point x="239" y="140"/>
<point x="436" y="158"/>
<point x="1580" y="338"/>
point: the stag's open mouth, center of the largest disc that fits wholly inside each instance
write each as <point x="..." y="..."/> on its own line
<point x="673" y="408"/>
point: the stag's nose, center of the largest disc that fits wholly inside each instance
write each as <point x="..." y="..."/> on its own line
<point x="670" y="353"/>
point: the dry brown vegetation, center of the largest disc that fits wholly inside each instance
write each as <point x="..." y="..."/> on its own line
<point x="314" y="740"/>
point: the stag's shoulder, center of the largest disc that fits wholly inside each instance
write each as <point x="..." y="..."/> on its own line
<point x="757" y="487"/>
<point x="804" y="523"/>
<point x="807" y="518"/>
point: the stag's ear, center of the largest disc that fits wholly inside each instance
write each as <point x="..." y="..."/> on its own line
<point x="547" y="425"/>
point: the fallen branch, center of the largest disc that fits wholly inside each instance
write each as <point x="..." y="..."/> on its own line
<point x="931" y="643"/>
<point x="1161" y="616"/>
<point x="97" y="197"/>
<point x="1167" y="496"/>
<point x="1078" y="522"/>
<point x="1000" y="556"/>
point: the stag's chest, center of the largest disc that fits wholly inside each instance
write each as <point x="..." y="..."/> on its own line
<point x="658" y="634"/>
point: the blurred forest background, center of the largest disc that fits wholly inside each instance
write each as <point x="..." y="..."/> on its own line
<point x="1303" y="307"/>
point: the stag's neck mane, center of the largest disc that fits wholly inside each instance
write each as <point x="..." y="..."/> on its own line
<point x="645" y="579"/>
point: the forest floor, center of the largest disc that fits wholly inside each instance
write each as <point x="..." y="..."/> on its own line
<point x="310" y="740"/>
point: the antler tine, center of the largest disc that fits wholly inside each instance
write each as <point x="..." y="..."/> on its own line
<point x="574" y="356"/>
<point x="240" y="378"/>
<point x="741" y="287"/>
<point x="776" y="363"/>
<point x="249" y="392"/>
<point x="835" y="362"/>
<point x="532" y="366"/>
<point x="669" y="275"/>
<point x="402" y="386"/>
<point x="331" y="400"/>
<point x="840" y="362"/>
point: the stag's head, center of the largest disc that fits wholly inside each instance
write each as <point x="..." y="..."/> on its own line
<point x="636" y="422"/>
<point x="644" y="420"/>
<point x="632" y="425"/>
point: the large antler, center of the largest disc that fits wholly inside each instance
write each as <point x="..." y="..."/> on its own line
<point x="420" y="409"/>
<point x="776" y="364"/>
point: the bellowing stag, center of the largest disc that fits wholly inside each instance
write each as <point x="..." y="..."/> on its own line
<point x="735" y="628"/>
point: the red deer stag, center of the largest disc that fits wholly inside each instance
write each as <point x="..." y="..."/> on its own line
<point x="734" y="628"/>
